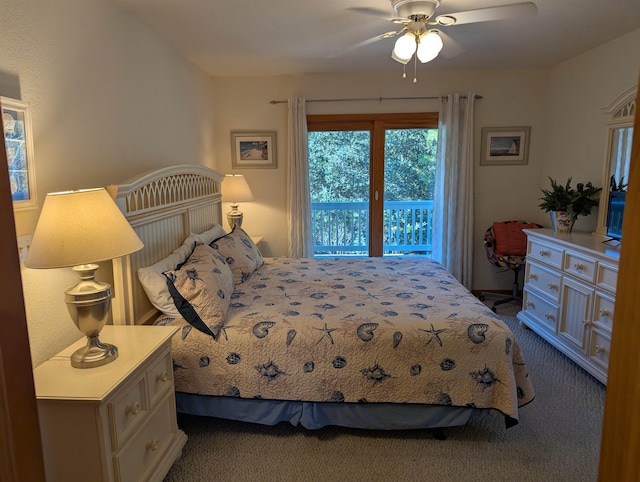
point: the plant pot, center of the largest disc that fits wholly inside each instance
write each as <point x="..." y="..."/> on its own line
<point x="561" y="221"/>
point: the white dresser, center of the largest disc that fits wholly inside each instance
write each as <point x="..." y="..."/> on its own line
<point x="114" y="422"/>
<point x="569" y="294"/>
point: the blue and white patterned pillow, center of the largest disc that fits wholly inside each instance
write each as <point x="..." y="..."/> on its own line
<point x="240" y="252"/>
<point x="201" y="288"/>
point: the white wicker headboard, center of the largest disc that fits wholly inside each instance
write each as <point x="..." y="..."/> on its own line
<point x="163" y="207"/>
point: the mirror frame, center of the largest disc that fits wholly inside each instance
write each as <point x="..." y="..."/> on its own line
<point x="620" y="114"/>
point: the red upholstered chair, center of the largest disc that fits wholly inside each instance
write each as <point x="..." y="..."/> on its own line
<point x="506" y="247"/>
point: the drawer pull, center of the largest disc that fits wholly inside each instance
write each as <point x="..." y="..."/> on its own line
<point x="605" y="313"/>
<point x="162" y="377"/>
<point x="545" y="253"/>
<point x="549" y="316"/>
<point x="553" y="286"/>
<point x="152" y="445"/>
<point x="133" y="408"/>
<point x="600" y="349"/>
<point x="532" y="276"/>
<point x="586" y="323"/>
<point x="530" y="304"/>
<point x="578" y="267"/>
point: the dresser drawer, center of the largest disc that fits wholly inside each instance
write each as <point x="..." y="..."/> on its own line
<point x="580" y="267"/>
<point x="541" y="310"/>
<point x="160" y="378"/>
<point x="607" y="277"/>
<point x="144" y="450"/>
<point x="603" y="311"/>
<point x="128" y="411"/>
<point x="543" y="280"/>
<point x="551" y="255"/>
<point x="599" y="349"/>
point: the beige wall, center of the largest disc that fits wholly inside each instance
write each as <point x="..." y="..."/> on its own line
<point x="109" y="100"/>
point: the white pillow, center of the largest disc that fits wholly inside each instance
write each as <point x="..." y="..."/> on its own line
<point x="155" y="283"/>
<point x="208" y="236"/>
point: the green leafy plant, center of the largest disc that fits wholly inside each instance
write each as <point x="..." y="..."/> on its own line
<point x="578" y="201"/>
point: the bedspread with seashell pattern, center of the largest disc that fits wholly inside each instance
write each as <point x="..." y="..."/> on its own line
<point x="361" y="330"/>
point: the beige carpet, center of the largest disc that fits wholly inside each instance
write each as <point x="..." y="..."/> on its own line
<point x="557" y="439"/>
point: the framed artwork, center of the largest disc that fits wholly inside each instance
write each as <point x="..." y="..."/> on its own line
<point x="253" y="150"/>
<point x="503" y="146"/>
<point x="18" y="139"/>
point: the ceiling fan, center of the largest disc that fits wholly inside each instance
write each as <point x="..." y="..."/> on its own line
<point x="417" y="34"/>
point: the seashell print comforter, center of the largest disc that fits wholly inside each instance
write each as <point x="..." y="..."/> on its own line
<point x="362" y="330"/>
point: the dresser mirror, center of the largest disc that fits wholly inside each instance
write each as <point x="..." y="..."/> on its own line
<point x="616" y="170"/>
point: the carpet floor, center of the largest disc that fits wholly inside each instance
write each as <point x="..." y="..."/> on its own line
<point x="557" y="439"/>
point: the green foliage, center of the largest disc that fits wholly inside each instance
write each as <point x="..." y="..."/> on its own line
<point x="339" y="165"/>
<point x="578" y="201"/>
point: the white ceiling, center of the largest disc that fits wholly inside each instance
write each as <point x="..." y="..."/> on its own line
<point x="275" y="37"/>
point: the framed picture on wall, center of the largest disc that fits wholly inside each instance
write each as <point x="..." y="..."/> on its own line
<point x="18" y="139"/>
<point x="503" y="146"/>
<point x="255" y="150"/>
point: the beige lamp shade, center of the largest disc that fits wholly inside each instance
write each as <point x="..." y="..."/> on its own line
<point x="80" y="227"/>
<point x="235" y="189"/>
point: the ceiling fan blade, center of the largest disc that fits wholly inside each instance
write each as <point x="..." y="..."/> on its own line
<point x="451" y="48"/>
<point x="355" y="46"/>
<point x="375" y="12"/>
<point x="491" y="13"/>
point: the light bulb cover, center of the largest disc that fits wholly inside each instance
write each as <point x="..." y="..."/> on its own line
<point x="404" y="48"/>
<point x="429" y="46"/>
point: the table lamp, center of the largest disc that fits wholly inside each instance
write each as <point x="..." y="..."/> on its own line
<point x="235" y="190"/>
<point x="77" y="229"/>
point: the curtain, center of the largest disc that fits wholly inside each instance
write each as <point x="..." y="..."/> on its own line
<point x="299" y="198"/>
<point x="453" y="204"/>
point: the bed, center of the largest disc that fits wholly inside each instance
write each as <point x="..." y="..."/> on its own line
<point x="375" y="343"/>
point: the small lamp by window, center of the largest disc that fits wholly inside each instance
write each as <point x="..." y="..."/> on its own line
<point x="235" y="190"/>
<point x="77" y="229"/>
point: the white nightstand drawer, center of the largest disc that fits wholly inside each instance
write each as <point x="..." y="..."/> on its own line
<point x="599" y="349"/>
<point x="148" y="444"/>
<point x="607" y="277"/>
<point x="551" y="255"/>
<point x="128" y="411"/>
<point x="580" y="266"/>
<point x="544" y="280"/>
<point x="603" y="311"/>
<point x="160" y="378"/>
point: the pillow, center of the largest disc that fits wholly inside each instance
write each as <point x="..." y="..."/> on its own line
<point x="201" y="289"/>
<point x="240" y="252"/>
<point x="208" y="236"/>
<point x="510" y="240"/>
<point x="154" y="282"/>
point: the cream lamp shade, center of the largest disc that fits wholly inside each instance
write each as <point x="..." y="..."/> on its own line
<point x="79" y="228"/>
<point x="235" y="189"/>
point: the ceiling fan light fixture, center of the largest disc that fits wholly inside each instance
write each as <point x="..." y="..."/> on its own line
<point x="404" y="48"/>
<point x="429" y="46"/>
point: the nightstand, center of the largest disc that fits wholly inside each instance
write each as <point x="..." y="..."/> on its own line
<point x="114" y="422"/>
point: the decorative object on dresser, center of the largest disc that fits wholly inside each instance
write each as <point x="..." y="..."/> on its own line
<point x="235" y="189"/>
<point x="115" y="422"/>
<point x="565" y="203"/>
<point x="80" y="228"/>
<point x="506" y="246"/>
<point x="569" y="294"/>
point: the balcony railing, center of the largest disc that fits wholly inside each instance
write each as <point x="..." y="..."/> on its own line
<point x="342" y="228"/>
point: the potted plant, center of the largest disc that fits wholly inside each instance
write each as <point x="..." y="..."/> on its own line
<point x="566" y="203"/>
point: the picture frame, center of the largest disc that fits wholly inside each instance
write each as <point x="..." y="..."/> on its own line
<point x="253" y="150"/>
<point x="504" y="146"/>
<point x="18" y="139"/>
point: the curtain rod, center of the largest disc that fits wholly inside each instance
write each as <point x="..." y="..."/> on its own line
<point x="379" y="99"/>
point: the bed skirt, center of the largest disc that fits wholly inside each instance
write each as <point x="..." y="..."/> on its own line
<point x="315" y="415"/>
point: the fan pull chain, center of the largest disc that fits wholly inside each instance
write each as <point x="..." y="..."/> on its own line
<point x="415" y="69"/>
<point x="404" y="71"/>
